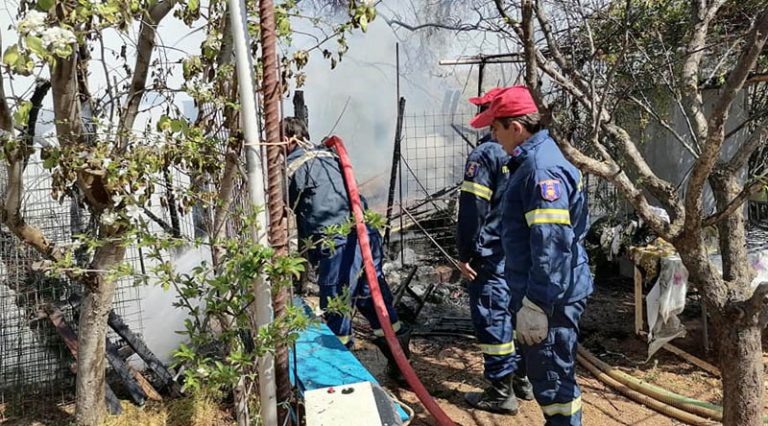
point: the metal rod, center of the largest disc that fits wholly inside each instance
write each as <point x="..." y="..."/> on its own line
<point x="466" y="139"/>
<point x="255" y="174"/>
<point x="278" y="219"/>
<point x="404" y="285"/>
<point x="481" y="73"/>
<point x="484" y="59"/>
<point x="439" y="247"/>
<point x="400" y="164"/>
<point x="393" y="173"/>
<point x="416" y="178"/>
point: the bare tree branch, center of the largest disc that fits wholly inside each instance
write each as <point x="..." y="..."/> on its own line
<point x="612" y="172"/>
<point x="690" y="71"/>
<point x="16" y="161"/>
<point x="529" y="48"/>
<point x="716" y="124"/>
<point x="11" y="213"/>
<point x="144" y="49"/>
<point x="758" y="138"/>
<point x="458" y="27"/>
<point x="737" y="202"/>
<point x="162" y="223"/>
<point x="647" y="108"/>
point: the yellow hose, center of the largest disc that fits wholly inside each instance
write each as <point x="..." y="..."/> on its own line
<point x="655" y="404"/>
<point x="690" y="405"/>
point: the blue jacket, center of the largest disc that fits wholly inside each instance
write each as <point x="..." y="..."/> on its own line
<point x="485" y="177"/>
<point x="545" y="220"/>
<point x="316" y="191"/>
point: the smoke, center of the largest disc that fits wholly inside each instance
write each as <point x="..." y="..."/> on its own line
<point x="358" y="99"/>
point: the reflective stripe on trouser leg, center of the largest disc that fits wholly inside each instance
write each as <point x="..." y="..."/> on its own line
<point x="489" y="300"/>
<point x="552" y="370"/>
<point x="378" y="332"/>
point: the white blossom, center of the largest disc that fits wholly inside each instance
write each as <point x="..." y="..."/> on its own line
<point x="32" y="23"/>
<point x="58" y="39"/>
<point x="133" y="211"/>
<point x="109" y="218"/>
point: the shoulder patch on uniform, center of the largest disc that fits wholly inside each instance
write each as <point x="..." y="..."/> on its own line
<point x="551" y="189"/>
<point x="472" y="168"/>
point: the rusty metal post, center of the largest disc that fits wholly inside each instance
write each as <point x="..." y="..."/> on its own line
<point x="278" y="224"/>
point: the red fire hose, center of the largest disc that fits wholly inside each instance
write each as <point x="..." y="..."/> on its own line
<point x="370" y="274"/>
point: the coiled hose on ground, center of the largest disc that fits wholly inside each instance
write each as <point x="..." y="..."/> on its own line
<point x="674" y="405"/>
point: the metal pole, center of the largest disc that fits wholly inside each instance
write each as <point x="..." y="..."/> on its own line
<point x="255" y="175"/>
<point x="400" y="165"/>
<point x="480" y="79"/>
<point x="393" y="172"/>
<point x="278" y="219"/>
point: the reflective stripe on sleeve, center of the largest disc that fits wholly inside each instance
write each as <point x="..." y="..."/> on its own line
<point x="481" y="191"/>
<point x="543" y="216"/>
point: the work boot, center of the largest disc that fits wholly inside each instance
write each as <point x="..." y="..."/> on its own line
<point x="497" y="398"/>
<point x="393" y="372"/>
<point x="522" y="387"/>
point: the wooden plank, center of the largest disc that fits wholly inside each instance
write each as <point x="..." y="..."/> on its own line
<point x="70" y="339"/>
<point x="145" y="384"/>
<point x="638" y="300"/>
<point x="704" y="365"/>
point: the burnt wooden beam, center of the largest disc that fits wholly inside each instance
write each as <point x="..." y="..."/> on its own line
<point x="138" y="345"/>
<point x="137" y="394"/>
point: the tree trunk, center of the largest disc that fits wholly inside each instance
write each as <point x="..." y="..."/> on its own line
<point x="736" y="324"/>
<point x="92" y="330"/>
<point x="741" y="363"/>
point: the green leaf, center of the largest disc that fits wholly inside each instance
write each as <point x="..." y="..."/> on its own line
<point x="35" y="44"/>
<point x="164" y="123"/>
<point x="21" y="115"/>
<point x="364" y="23"/>
<point x="193" y="5"/>
<point x="45" y="5"/>
<point x="11" y="55"/>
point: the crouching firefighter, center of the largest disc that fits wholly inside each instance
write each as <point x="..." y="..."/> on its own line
<point x="319" y="199"/>
<point x="544" y="222"/>
<point x="481" y="260"/>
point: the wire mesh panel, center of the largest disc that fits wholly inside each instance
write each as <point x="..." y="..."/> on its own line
<point x="434" y="149"/>
<point x="33" y="357"/>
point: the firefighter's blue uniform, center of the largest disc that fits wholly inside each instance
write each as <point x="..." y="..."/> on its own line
<point x="478" y="240"/>
<point x="318" y="196"/>
<point x="545" y="220"/>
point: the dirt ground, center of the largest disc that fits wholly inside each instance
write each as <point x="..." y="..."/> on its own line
<point x="450" y="366"/>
